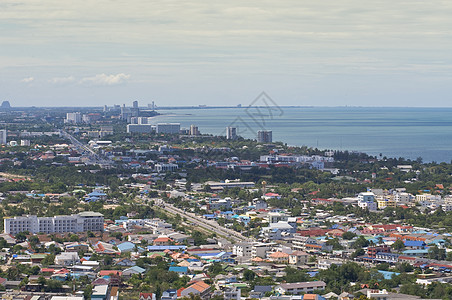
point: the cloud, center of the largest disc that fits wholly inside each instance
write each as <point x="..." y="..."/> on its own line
<point x="27" y="80"/>
<point x="104" y="79"/>
<point x="62" y="80"/>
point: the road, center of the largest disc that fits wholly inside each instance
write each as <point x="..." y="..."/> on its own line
<point x="87" y="151"/>
<point x="205" y="224"/>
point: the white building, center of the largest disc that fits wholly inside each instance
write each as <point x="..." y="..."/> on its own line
<point x="377" y="294"/>
<point x="231" y="133"/>
<point x="84" y="221"/>
<point x="25" y="143"/>
<point x="3" y="135"/>
<point x="73" y="118"/>
<point x="67" y="258"/>
<point x="300" y="287"/>
<point x="242" y="249"/>
<point x="366" y="200"/>
<point x="261" y="249"/>
<point x="140" y="128"/>
<point x="172" y="128"/>
<point x="232" y="293"/>
<point x="403" y="197"/>
<point x="166" y="167"/>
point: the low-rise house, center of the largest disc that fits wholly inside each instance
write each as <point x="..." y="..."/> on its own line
<point x="67" y="258"/>
<point x="126" y="247"/>
<point x="162" y="241"/>
<point x="100" y="292"/>
<point x="104" y="248"/>
<point x="259" y="291"/>
<point x="133" y="270"/>
<point x="170" y="294"/>
<point x="125" y="262"/>
<point x="298" y="258"/>
<point x="110" y="273"/>
<point x="279" y="257"/>
<point x="179" y="270"/>
<point x="325" y="264"/>
<point x="147" y="296"/>
<point x="198" y="288"/>
<point x="232" y="293"/>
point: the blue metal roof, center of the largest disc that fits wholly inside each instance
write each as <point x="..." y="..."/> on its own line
<point x="178" y="269"/>
<point x="414" y="244"/>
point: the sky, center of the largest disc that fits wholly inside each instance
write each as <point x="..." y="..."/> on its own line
<point x="323" y="53"/>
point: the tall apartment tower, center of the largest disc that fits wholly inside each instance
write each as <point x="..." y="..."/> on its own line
<point x="73" y="118"/>
<point x="264" y="136"/>
<point x="3" y="135"/>
<point x="194" y="130"/>
<point x="231" y="133"/>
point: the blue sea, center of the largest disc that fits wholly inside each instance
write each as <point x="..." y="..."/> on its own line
<point x="393" y="132"/>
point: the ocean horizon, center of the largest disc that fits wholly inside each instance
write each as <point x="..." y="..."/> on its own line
<point x="408" y="132"/>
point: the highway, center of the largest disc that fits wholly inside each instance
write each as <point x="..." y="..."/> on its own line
<point x="86" y="151"/>
<point x="205" y="224"/>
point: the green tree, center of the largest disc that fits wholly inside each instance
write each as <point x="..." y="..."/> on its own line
<point x="398" y="245"/>
<point x="249" y="275"/>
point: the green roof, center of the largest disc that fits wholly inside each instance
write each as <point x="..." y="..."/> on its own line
<point x="37" y="256"/>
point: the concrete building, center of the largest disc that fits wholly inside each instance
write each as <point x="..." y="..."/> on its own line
<point x="298" y="258"/>
<point x="73" y="118"/>
<point x="404" y="198"/>
<point x="300" y="287"/>
<point x="25" y="143"/>
<point x="366" y="200"/>
<point x="232" y="293"/>
<point x="84" y="221"/>
<point x="231" y="133"/>
<point x="3" y="135"/>
<point x="242" y="249"/>
<point x="171" y="128"/>
<point x="194" y="130"/>
<point x="261" y="249"/>
<point x="264" y="136"/>
<point x="140" y="128"/>
<point x="166" y="167"/>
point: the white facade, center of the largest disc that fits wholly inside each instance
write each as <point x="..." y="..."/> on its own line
<point x="300" y="287"/>
<point x="172" y="128"/>
<point x="166" y="167"/>
<point x="74" y="223"/>
<point x="403" y="197"/>
<point x="372" y="206"/>
<point x="73" y="118"/>
<point x="242" y="249"/>
<point x="231" y="133"/>
<point x="3" y="135"/>
<point x="232" y="293"/>
<point x="140" y="128"/>
<point x="261" y="249"/>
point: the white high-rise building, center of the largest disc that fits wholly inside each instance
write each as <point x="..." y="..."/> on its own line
<point x="194" y="130"/>
<point x="231" y="133"/>
<point x="83" y="221"/>
<point x="73" y="118"/>
<point x="3" y="135"/>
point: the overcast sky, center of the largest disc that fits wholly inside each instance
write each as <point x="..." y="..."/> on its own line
<point x="355" y="52"/>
